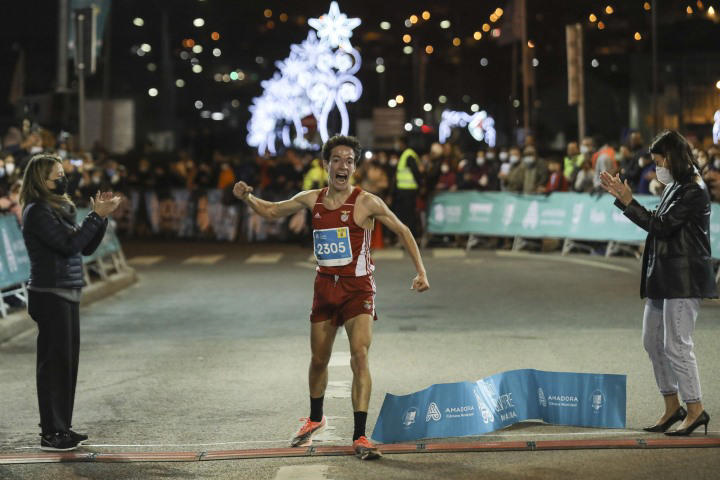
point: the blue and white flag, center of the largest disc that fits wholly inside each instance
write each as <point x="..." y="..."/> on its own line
<point x="474" y="408"/>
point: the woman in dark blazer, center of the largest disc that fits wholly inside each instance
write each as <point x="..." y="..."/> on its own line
<point x="55" y="245"/>
<point x="677" y="274"/>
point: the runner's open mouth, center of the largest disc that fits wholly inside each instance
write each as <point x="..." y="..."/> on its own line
<point x="341" y="177"/>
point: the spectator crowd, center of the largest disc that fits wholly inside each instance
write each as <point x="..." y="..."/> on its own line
<point x="197" y="168"/>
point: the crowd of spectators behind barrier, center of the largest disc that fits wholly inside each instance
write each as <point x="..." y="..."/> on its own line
<point x="198" y="167"/>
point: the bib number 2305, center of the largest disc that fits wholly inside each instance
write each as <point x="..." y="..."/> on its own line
<point x="332" y="246"/>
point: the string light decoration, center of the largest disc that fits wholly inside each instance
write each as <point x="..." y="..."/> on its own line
<point x="480" y="125"/>
<point x="317" y="78"/>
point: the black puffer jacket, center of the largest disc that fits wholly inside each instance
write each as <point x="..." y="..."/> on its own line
<point x="676" y="260"/>
<point x="55" y="244"/>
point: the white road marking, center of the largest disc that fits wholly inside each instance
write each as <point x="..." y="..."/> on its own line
<point x="203" y="259"/>
<point x="473" y="261"/>
<point x="327" y="435"/>
<point x="145" y="260"/>
<point x="339" y="359"/>
<point x="302" y="472"/>
<point x="557" y="258"/>
<point x="449" y="253"/>
<point x="306" y="265"/>
<point x="264" y="258"/>
<point x="338" y="389"/>
<point x="390" y="254"/>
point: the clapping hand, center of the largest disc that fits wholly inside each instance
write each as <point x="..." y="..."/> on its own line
<point x="616" y="187"/>
<point x="104" y="203"/>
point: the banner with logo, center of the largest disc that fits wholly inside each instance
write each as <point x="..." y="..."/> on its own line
<point x="561" y="215"/>
<point x="475" y="408"/>
<point x="14" y="260"/>
<point x="110" y="243"/>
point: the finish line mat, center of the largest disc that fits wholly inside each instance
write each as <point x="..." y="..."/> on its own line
<point x="329" y="451"/>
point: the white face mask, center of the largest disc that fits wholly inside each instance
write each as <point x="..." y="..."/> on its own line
<point x="480" y="161"/>
<point x="584" y="149"/>
<point x="663" y="175"/>
<point x="35" y="149"/>
<point x="528" y="160"/>
<point x="514" y="159"/>
<point x="503" y="156"/>
<point x="444" y="168"/>
<point x="490" y="155"/>
<point x="716" y="163"/>
<point x="62" y="154"/>
<point x="9" y="168"/>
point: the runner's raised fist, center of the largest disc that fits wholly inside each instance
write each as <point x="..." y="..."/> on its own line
<point x="241" y="190"/>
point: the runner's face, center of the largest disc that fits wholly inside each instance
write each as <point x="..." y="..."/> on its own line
<point x="340" y="167"/>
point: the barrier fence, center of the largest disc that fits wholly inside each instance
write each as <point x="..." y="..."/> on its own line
<point x="572" y="217"/>
<point x="15" y="263"/>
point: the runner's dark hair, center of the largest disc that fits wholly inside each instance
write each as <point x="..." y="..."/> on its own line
<point x="346" y="141"/>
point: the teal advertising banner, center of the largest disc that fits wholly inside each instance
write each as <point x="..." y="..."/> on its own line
<point x="110" y="243"/>
<point x="578" y="216"/>
<point x="495" y="402"/>
<point x="14" y="260"/>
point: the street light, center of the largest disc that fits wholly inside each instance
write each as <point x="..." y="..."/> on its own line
<point x="198" y="22"/>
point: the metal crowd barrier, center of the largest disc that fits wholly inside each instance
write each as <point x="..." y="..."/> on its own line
<point x="15" y="263"/>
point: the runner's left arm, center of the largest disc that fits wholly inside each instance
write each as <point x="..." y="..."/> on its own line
<point x="380" y="211"/>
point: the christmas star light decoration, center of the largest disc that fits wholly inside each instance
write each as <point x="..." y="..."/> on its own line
<point x="480" y="125"/>
<point x="317" y="78"/>
<point x="335" y="27"/>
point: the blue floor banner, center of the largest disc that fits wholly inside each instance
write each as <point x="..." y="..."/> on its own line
<point x="474" y="408"/>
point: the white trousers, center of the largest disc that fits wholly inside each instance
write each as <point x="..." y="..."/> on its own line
<point x="668" y="325"/>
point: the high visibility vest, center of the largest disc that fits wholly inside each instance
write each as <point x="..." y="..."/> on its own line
<point x="315" y="177"/>
<point x="404" y="178"/>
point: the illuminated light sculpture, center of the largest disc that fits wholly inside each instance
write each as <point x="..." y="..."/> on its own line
<point x="716" y="129"/>
<point x="480" y="125"/>
<point x="317" y="78"/>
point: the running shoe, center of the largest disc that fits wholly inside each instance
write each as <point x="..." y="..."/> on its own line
<point x="365" y="450"/>
<point x="303" y="437"/>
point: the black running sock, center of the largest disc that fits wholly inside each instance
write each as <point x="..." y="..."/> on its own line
<point x="360" y="419"/>
<point x="316" y="409"/>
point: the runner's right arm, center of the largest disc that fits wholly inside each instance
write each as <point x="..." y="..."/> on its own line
<point x="265" y="209"/>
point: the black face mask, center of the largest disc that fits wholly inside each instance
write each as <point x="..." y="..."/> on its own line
<point x="61" y="184"/>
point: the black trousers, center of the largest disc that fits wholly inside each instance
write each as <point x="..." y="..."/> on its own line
<point x="58" y="349"/>
<point x="405" y="207"/>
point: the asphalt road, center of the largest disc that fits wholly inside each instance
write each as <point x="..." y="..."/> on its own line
<point x="209" y="351"/>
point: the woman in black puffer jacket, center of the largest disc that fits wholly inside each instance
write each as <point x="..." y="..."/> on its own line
<point x="677" y="274"/>
<point x="55" y="245"/>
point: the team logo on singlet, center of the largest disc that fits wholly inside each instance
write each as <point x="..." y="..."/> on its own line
<point x="345" y="215"/>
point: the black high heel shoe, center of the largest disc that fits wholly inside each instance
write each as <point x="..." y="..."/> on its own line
<point x="678" y="416"/>
<point x="702" y="419"/>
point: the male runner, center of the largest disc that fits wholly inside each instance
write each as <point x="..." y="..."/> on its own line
<point x="343" y="219"/>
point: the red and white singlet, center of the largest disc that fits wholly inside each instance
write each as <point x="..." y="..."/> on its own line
<point x="341" y="247"/>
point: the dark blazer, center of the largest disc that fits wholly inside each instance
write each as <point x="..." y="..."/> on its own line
<point x="676" y="261"/>
<point x="55" y="243"/>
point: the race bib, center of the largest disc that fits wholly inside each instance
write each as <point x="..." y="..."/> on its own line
<point x="332" y="246"/>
